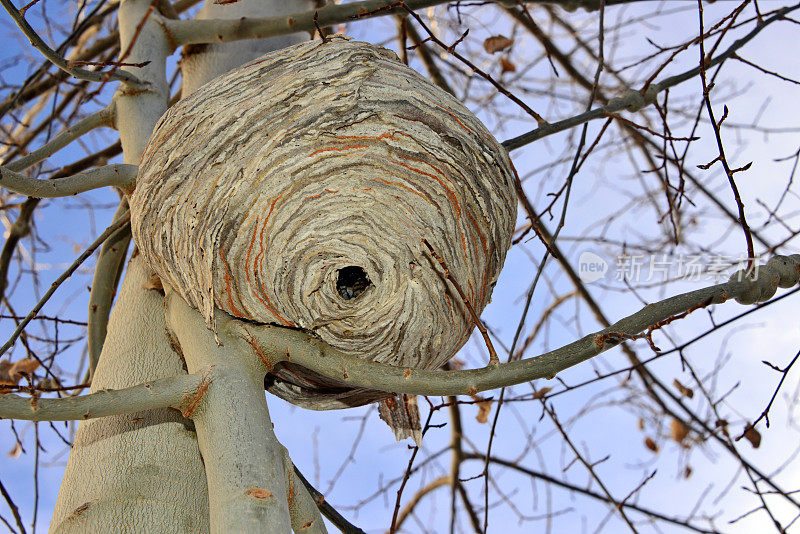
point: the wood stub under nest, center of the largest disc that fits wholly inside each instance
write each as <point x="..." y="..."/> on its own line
<point x="297" y="190"/>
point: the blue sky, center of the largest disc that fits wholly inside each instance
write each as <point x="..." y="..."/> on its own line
<point x="320" y="443"/>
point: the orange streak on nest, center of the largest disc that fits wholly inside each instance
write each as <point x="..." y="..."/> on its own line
<point x="249" y="250"/>
<point x="256" y="62"/>
<point x="485" y="253"/>
<point x="337" y="149"/>
<point x="259" y="291"/>
<point x="386" y="135"/>
<point x="233" y="307"/>
<point x="450" y="194"/>
<point x="401" y="184"/>
<point x="446" y="110"/>
<point x="448" y="301"/>
<point x="318" y="195"/>
<point x="477" y="229"/>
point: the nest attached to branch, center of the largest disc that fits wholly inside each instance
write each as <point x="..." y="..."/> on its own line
<point x="297" y="190"/>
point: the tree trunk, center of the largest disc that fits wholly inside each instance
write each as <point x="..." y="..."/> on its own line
<point x="144" y="472"/>
<point x="140" y="472"/>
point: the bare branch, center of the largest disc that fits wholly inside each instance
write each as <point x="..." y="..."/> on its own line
<point x="277" y="344"/>
<point x="60" y="62"/>
<point x="635" y="100"/>
<point x="104" y="286"/>
<point x="104" y="117"/>
<point x="120" y="175"/>
<point x="66" y="274"/>
<point x="169" y="392"/>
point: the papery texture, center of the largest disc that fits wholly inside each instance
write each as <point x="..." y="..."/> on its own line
<point x="297" y="190"/>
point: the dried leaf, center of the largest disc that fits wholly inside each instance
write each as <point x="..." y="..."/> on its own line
<point x="27" y="366"/>
<point x="687" y="472"/>
<point x="507" y="66"/>
<point x="12" y="373"/>
<point x="47" y="383"/>
<point x="542" y="392"/>
<point x="722" y="423"/>
<point x="5" y="373"/>
<point x="651" y="444"/>
<point x="484" y="408"/>
<point x="686" y="392"/>
<point x="753" y="436"/>
<point x="496" y="44"/>
<point x="640" y="424"/>
<point x="15" y="452"/>
<point x="678" y="430"/>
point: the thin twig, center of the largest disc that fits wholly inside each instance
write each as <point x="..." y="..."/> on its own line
<point x="66" y="274"/>
<point x="493" y="359"/>
<point x="57" y="60"/>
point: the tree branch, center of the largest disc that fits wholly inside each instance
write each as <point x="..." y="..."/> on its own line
<point x="120" y="175"/>
<point x="66" y="274"/>
<point x="57" y="60"/>
<point x="634" y="100"/>
<point x="275" y="344"/>
<point x="107" y="273"/>
<point x="171" y="392"/>
<point x="183" y="32"/>
<point x="104" y="117"/>
<point x="244" y="462"/>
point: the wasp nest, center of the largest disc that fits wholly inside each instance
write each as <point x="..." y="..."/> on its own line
<point x="297" y="191"/>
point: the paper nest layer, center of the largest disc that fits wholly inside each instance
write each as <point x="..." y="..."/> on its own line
<point x="297" y="190"/>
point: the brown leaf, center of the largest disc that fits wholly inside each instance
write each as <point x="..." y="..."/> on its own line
<point x="640" y="424"/>
<point x="496" y="44"/>
<point x="686" y="392"/>
<point x="484" y="408"/>
<point x="651" y="444"/>
<point x="679" y="430"/>
<point x="507" y="66"/>
<point x="12" y="373"/>
<point x="753" y="436"/>
<point x="541" y="393"/>
<point x="687" y="472"/>
<point x="27" y="366"/>
<point x="723" y="424"/>
<point x="5" y="373"/>
<point x="15" y="452"/>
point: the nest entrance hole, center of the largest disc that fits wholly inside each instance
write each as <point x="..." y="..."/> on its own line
<point x="352" y="281"/>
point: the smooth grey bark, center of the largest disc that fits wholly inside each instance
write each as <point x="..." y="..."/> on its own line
<point x="137" y="472"/>
<point x="246" y="466"/>
<point x="204" y="62"/>
<point x="141" y="472"/>
<point x="169" y="392"/>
